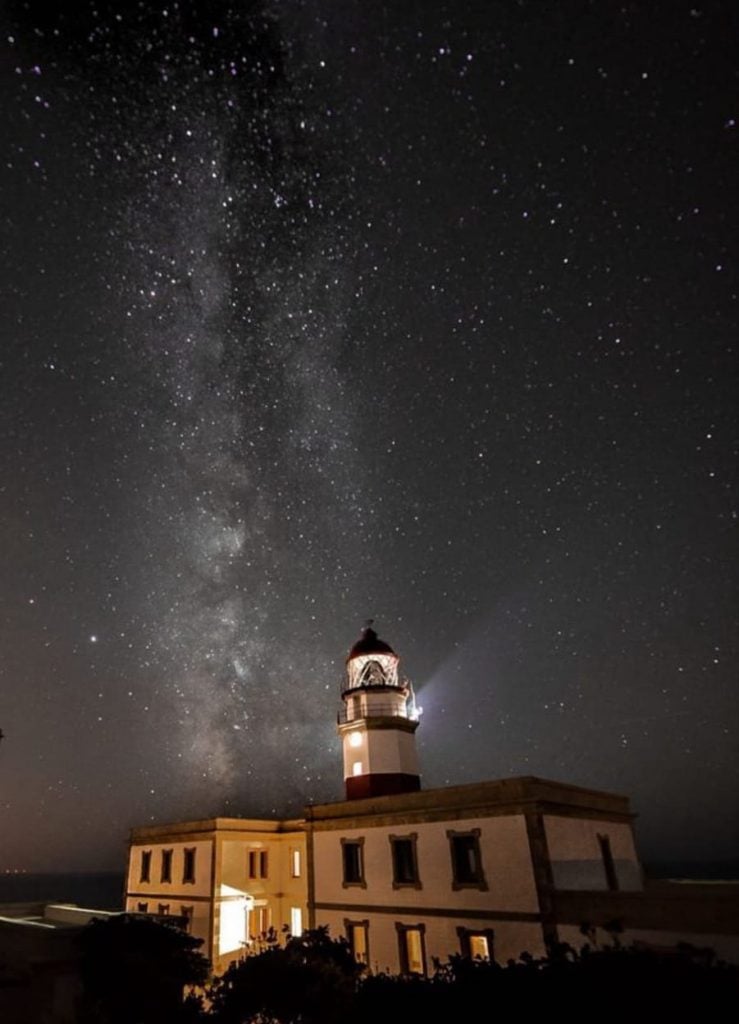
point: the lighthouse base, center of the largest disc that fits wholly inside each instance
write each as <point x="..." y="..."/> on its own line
<point x="383" y="784"/>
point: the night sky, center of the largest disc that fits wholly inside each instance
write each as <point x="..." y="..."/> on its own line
<point x="332" y="309"/>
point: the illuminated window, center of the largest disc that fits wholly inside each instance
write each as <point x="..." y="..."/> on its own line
<point x="357" y="933"/>
<point x="295" y="863"/>
<point x="405" y="864"/>
<point x="143" y="908"/>
<point x="412" y="949"/>
<point x="166" y="873"/>
<point x="188" y="867"/>
<point x="352" y="851"/>
<point x="467" y="871"/>
<point x="478" y="945"/>
<point x="357" y="768"/>
<point x="296" y="921"/>
<point x="145" y="866"/>
<point x="609" y="865"/>
<point x="355" y="739"/>
<point x="258" y="863"/>
<point x="265" y="920"/>
<point x="163" y="909"/>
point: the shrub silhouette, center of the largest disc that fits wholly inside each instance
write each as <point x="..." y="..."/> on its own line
<point x="135" y="971"/>
<point x="311" y="979"/>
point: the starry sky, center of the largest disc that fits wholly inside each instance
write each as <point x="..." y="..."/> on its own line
<point x="320" y="310"/>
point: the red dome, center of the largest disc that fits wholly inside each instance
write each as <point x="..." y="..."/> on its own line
<point x="370" y="643"/>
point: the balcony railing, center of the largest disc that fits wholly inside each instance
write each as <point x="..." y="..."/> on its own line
<point x="389" y="710"/>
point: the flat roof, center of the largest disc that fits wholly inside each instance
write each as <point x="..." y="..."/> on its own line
<point x="207" y="827"/>
<point x="500" y="796"/>
<point x="497" y="796"/>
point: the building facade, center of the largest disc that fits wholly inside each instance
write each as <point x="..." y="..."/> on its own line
<point x="409" y="875"/>
<point x="466" y="869"/>
<point x="228" y="880"/>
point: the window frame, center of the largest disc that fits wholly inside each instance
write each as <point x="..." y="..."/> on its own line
<point x="257" y="863"/>
<point x="402" y="930"/>
<point x="349" y="926"/>
<point x="189" y="860"/>
<point x="361" y="881"/>
<point x="187" y="912"/>
<point x="412" y="839"/>
<point x="264" y="919"/>
<point x="608" y="861"/>
<point x="296" y="916"/>
<point x="479" y="881"/>
<point x="167" y="859"/>
<point x="145" y="873"/>
<point x="465" y="946"/>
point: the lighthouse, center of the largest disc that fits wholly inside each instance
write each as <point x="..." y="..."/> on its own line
<point x="377" y="722"/>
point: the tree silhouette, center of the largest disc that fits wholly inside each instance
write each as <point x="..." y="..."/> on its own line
<point x="311" y="979"/>
<point x="135" y="971"/>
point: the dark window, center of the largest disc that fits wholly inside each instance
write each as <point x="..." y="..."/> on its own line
<point x="258" y="863"/>
<point x="353" y="861"/>
<point x="466" y="860"/>
<point x="164" y="909"/>
<point x="608" y="862"/>
<point x="145" y="866"/>
<point x="412" y="948"/>
<point x="188" y="868"/>
<point x="405" y="864"/>
<point x="186" y="913"/>
<point x="143" y="908"/>
<point x="166" y="866"/>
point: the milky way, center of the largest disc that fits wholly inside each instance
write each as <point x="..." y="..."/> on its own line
<point x="321" y="311"/>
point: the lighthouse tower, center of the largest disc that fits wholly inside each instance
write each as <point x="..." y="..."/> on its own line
<point x="377" y="722"/>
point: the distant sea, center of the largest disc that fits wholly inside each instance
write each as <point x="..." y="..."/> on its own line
<point x="101" y="890"/>
<point x="708" y="871"/>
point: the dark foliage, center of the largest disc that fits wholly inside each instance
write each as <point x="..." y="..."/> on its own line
<point x="135" y="971"/>
<point x="314" y="979"/>
<point x="611" y="979"/>
<point x="311" y="979"/>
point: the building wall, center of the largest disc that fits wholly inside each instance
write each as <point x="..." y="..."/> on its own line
<point x="576" y="853"/>
<point x="233" y="898"/>
<point x="246" y="906"/>
<point x="199" y="912"/>
<point x="155" y="887"/>
<point x="507" y="903"/>
<point x="379" y="751"/>
<point x="505" y="859"/>
<point x="440" y="934"/>
<point x="193" y="899"/>
<point x="512" y="900"/>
